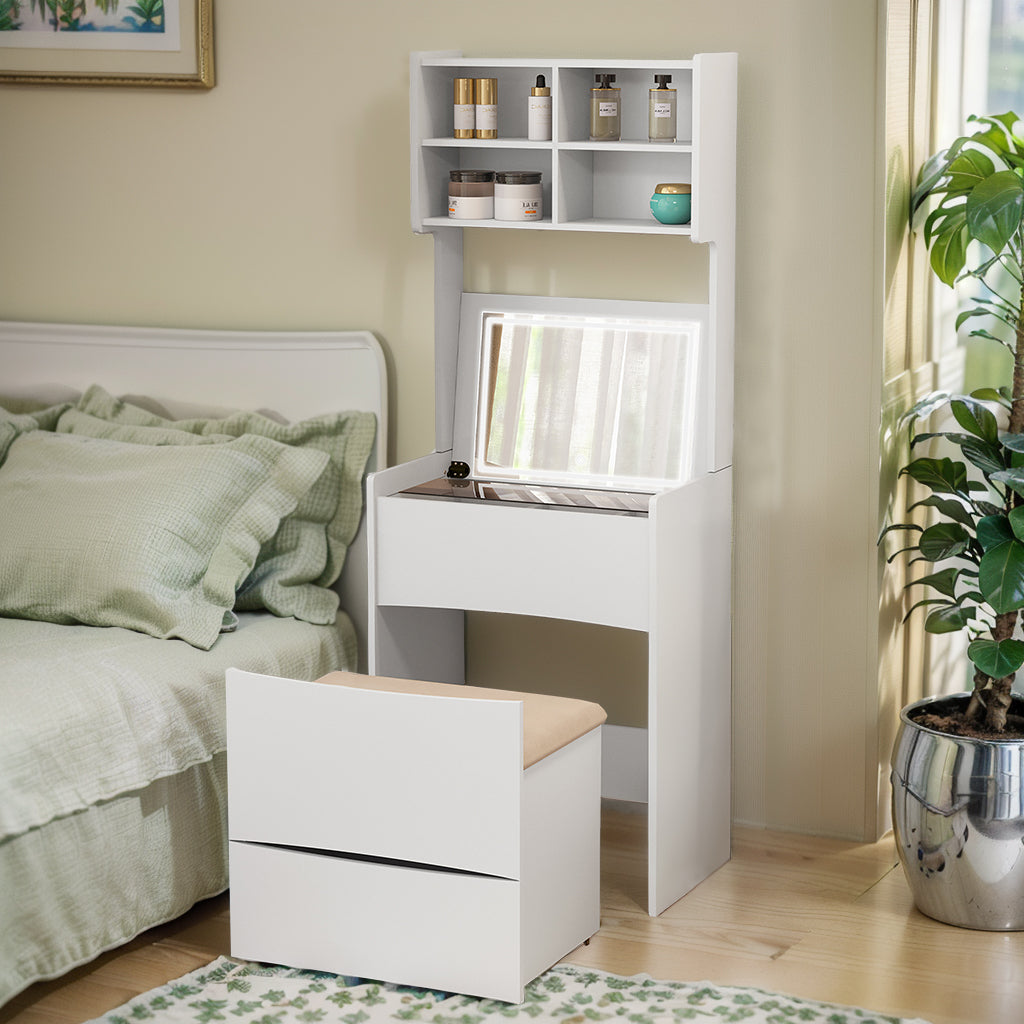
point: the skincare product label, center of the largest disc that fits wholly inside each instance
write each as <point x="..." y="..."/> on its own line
<point x="471" y="207"/>
<point x="487" y="117"/>
<point x="516" y="209"/>
<point x="538" y="118"/>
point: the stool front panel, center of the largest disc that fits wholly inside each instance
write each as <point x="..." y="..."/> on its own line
<point x="422" y="779"/>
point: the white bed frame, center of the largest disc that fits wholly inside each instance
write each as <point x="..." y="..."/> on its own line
<point x="293" y="374"/>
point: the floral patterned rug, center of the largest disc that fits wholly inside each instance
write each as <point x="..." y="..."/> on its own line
<point x="232" y="990"/>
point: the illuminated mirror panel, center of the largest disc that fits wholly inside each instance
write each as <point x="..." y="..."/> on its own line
<point x="594" y="402"/>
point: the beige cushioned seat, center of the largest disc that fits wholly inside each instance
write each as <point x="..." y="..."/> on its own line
<point x="549" y="723"/>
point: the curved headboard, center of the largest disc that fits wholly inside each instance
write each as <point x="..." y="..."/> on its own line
<point x="293" y="374"/>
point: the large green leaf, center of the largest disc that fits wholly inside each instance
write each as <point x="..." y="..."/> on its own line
<point x="1013" y="478"/>
<point x="1002" y="135"/>
<point x="943" y="540"/>
<point x="1015" y="442"/>
<point x="997" y="658"/>
<point x="994" y="530"/>
<point x="928" y="601"/>
<point x="943" y="581"/>
<point x="994" y="209"/>
<point x="987" y="457"/>
<point x="934" y="171"/>
<point x="926" y="406"/>
<point x="987" y="508"/>
<point x="949" y="254"/>
<point x="949" y="507"/>
<point x="1001" y="576"/>
<point x="944" y="220"/>
<point x="992" y="395"/>
<point x="970" y="314"/>
<point x="950" y="619"/>
<point x="975" y="418"/>
<point x="968" y="170"/>
<point x="944" y="476"/>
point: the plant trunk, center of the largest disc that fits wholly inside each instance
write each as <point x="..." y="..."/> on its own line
<point x="991" y="699"/>
<point x="1016" y="425"/>
<point x="977" y="707"/>
<point x="996" y="698"/>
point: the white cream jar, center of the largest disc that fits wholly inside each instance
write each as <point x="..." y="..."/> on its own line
<point x="518" y="195"/>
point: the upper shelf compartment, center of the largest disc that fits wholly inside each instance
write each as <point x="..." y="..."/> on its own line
<point x="587" y="185"/>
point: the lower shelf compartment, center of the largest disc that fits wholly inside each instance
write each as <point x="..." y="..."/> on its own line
<point x="409" y="925"/>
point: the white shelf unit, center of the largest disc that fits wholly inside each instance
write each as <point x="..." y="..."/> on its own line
<point x="667" y="573"/>
<point x="589" y="186"/>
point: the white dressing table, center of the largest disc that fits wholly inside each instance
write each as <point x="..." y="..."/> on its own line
<point x="666" y="572"/>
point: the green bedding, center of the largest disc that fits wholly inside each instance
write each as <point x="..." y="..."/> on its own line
<point x="113" y="795"/>
<point x="91" y="713"/>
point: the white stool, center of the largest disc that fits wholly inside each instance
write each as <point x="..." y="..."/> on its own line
<point x="433" y="835"/>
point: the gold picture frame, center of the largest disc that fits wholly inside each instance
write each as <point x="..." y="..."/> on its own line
<point x="99" y="58"/>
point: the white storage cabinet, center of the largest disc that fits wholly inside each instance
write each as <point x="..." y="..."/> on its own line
<point x="667" y="573"/>
<point x="396" y="835"/>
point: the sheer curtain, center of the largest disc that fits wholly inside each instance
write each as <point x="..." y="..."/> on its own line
<point x="594" y="404"/>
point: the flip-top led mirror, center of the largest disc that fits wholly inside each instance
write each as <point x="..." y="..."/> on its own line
<point x="588" y="401"/>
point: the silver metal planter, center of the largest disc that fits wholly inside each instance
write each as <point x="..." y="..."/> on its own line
<point x="958" y="814"/>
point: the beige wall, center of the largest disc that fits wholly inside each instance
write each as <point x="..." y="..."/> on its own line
<point x="280" y="199"/>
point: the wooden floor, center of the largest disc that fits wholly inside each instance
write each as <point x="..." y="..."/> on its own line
<point x="818" y="918"/>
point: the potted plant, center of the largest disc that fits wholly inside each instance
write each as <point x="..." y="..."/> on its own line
<point x="958" y="761"/>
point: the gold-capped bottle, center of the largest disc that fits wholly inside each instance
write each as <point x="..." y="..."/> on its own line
<point x="485" y="98"/>
<point x="538" y="112"/>
<point x="464" y="109"/>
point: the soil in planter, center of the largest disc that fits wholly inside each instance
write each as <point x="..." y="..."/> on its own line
<point x="948" y="716"/>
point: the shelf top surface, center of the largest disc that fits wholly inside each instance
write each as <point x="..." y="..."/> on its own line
<point x="448" y="60"/>
<point x="622" y="146"/>
<point x="623" y="225"/>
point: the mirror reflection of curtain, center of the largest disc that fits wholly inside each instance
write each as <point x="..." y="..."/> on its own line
<point x="574" y="401"/>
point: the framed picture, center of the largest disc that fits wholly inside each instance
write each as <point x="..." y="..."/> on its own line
<point x="107" y="42"/>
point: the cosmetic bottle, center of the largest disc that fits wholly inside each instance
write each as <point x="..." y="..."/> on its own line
<point x="465" y="110"/>
<point x="485" y="97"/>
<point x="539" y="112"/>
<point x="605" y="123"/>
<point x="661" y="120"/>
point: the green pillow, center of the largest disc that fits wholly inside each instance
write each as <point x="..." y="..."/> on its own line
<point x="72" y="421"/>
<point x="8" y="433"/>
<point x="35" y="419"/>
<point x="305" y="557"/>
<point x="155" y="539"/>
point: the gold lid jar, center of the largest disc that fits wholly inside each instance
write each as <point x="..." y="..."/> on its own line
<point x="671" y="203"/>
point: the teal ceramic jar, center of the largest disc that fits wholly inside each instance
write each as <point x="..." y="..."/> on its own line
<point x="671" y="203"/>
